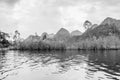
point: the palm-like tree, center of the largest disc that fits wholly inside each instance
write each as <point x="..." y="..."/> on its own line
<point x="87" y="24"/>
<point x="16" y="36"/>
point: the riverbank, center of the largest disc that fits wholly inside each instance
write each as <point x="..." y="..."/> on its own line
<point x="105" y="43"/>
<point x="4" y="49"/>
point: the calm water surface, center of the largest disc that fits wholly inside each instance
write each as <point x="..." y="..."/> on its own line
<point x="60" y="65"/>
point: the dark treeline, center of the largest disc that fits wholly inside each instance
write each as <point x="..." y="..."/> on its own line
<point x="3" y="41"/>
<point x="109" y="42"/>
<point x="40" y="45"/>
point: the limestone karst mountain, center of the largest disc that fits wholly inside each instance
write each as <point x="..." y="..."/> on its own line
<point x="51" y="36"/>
<point x="62" y="35"/>
<point x="110" y="20"/>
<point x="32" y="38"/>
<point x="76" y="33"/>
<point x="108" y="27"/>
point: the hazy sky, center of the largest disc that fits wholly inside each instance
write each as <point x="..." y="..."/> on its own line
<point x="30" y="16"/>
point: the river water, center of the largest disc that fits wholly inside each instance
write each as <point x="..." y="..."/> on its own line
<point x="60" y="65"/>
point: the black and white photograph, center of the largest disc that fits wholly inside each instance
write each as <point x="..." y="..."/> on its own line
<point x="59" y="39"/>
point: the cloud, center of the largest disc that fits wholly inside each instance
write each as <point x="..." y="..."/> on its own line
<point x="9" y="2"/>
<point x="38" y="14"/>
<point x="30" y="16"/>
<point x="7" y="22"/>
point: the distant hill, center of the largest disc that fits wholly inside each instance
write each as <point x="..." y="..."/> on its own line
<point x="111" y="21"/>
<point x="32" y="38"/>
<point x="62" y="35"/>
<point x="51" y="36"/>
<point x="108" y="27"/>
<point x="76" y="33"/>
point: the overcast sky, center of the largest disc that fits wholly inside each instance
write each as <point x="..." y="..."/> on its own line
<point x="30" y="16"/>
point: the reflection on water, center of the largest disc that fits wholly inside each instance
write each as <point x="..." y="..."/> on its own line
<point x="60" y="65"/>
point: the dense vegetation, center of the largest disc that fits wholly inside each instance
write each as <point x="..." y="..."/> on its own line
<point x="101" y="31"/>
<point x="109" y="42"/>
<point x="3" y="41"/>
<point x="103" y="36"/>
<point x="40" y="45"/>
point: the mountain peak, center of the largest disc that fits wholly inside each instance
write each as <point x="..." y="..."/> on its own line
<point x="109" y="20"/>
<point x="63" y="30"/>
<point x="62" y="34"/>
<point x="32" y="38"/>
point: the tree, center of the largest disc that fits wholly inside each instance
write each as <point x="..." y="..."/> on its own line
<point x="87" y="24"/>
<point x="3" y="41"/>
<point x="44" y="36"/>
<point x="17" y="35"/>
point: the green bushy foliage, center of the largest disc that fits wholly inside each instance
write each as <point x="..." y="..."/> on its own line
<point x="110" y="42"/>
<point x="40" y="45"/>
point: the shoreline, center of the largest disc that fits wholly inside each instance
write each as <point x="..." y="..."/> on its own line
<point x="11" y="48"/>
<point x="4" y="49"/>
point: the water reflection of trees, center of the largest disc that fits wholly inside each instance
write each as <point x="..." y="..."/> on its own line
<point x="2" y="58"/>
<point x="63" y="59"/>
<point x="105" y="61"/>
<point x="108" y="60"/>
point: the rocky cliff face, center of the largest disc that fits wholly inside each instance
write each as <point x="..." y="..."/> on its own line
<point x="62" y="34"/>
